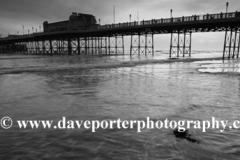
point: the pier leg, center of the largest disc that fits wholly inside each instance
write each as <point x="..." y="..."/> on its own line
<point x="59" y="47"/>
<point x="78" y="46"/>
<point x="184" y="43"/>
<point x="74" y="46"/>
<point x="152" y="44"/>
<point x="28" y="50"/>
<point x="92" y="41"/>
<point x="109" y="45"/>
<point x="69" y="46"/>
<point x="103" y="45"/>
<point x="22" y="47"/>
<point x="90" y="45"/>
<point x="86" y="46"/>
<point x="170" y="53"/>
<point x="116" y="44"/>
<point x="47" y="46"/>
<point x="29" y="47"/>
<point x="190" y="44"/>
<point x="238" y="44"/>
<point x="100" y="45"/>
<point x="146" y="44"/>
<point x="230" y="45"/>
<point x="38" y="47"/>
<point x="43" y="47"/>
<point x="25" y="47"/>
<point x="180" y="43"/>
<point x="14" y="47"/>
<point x="234" y="46"/>
<point x="139" y="41"/>
<point x="142" y="44"/>
<point x="174" y="46"/>
<point x="95" y="48"/>
<point x="123" y="44"/>
<point x="225" y="44"/>
<point x="51" y="47"/>
<point x="131" y="47"/>
<point x="18" y="47"/>
<point x="149" y="43"/>
<point x="35" y="47"/>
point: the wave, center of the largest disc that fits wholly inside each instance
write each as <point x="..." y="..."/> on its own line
<point x="115" y="64"/>
<point x="231" y="67"/>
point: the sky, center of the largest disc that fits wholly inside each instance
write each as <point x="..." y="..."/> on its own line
<point x="14" y="14"/>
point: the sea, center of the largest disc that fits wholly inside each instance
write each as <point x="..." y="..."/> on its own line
<point x="40" y="87"/>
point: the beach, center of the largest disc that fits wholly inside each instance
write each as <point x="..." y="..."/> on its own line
<point x="35" y="87"/>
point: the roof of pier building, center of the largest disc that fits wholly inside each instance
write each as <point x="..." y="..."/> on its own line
<point x="77" y="21"/>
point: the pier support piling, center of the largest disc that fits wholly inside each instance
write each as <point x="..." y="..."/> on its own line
<point x="69" y="46"/>
<point x="116" y="44"/>
<point x="142" y="44"/>
<point x="180" y="44"/>
<point x="102" y="41"/>
<point x="231" y="43"/>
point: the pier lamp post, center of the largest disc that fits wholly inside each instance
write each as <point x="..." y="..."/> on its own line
<point x="32" y="29"/>
<point x="227" y="7"/>
<point x="171" y="13"/>
<point x="28" y="31"/>
<point x="130" y="17"/>
<point x="113" y="14"/>
<point x="36" y="30"/>
<point x="40" y="28"/>
<point x="137" y="16"/>
<point x="99" y="21"/>
<point x="23" y="29"/>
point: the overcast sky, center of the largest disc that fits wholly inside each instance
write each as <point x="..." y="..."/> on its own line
<point x="32" y="13"/>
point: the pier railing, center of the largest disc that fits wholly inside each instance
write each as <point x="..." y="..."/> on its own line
<point x="173" y="20"/>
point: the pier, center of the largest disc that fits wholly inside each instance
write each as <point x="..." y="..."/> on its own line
<point x="109" y="38"/>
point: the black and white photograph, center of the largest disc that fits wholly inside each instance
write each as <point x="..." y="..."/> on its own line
<point x="119" y="80"/>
